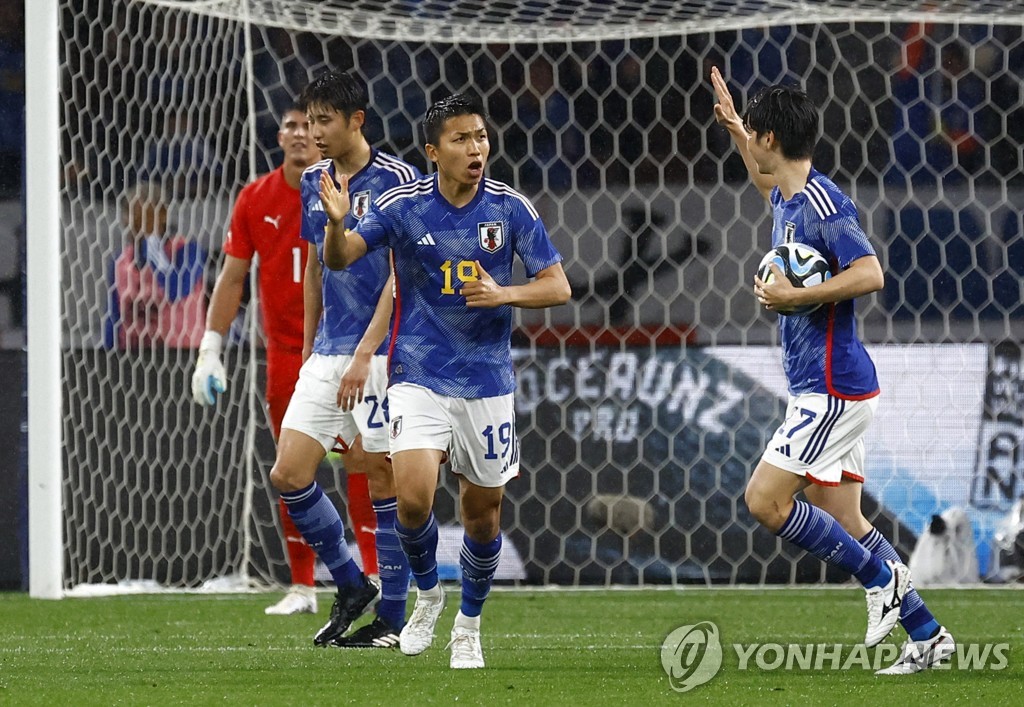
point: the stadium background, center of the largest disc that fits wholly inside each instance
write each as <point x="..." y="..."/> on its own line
<point x="650" y="403"/>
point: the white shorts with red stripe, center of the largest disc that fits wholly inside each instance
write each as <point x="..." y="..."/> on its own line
<point x="822" y="438"/>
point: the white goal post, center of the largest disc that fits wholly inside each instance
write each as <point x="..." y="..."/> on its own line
<point x="645" y="402"/>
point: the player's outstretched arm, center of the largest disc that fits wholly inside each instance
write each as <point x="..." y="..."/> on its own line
<point x="863" y="277"/>
<point x="353" y="381"/>
<point x="341" y="246"/>
<point x="728" y="117"/>
<point x="549" y="288"/>
<point x="209" y="377"/>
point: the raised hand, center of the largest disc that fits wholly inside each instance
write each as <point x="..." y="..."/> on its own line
<point x="335" y="199"/>
<point x="725" y="109"/>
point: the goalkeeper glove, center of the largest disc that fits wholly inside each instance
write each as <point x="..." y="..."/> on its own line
<point x="209" y="377"/>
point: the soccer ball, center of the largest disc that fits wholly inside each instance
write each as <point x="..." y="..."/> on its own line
<point x="803" y="265"/>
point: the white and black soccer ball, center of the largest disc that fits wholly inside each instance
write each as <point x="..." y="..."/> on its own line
<point x="803" y="265"/>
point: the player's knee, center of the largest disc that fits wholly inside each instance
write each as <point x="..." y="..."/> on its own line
<point x="482" y="530"/>
<point x="413" y="512"/>
<point x="767" y="510"/>
<point x="482" y="522"/>
<point x="380" y="479"/>
<point x="285" y="478"/>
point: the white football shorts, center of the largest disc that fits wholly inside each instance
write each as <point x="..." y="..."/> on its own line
<point x="313" y="409"/>
<point x="479" y="434"/>
<point x="822" y="438"/>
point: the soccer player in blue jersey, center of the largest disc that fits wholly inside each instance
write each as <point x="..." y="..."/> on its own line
<point x="341" y="393"/>
<point x="453" y="236"/>
<point x="819" y="449"/>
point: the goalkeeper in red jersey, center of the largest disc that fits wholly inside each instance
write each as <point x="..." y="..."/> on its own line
<point x="266" y="221"/>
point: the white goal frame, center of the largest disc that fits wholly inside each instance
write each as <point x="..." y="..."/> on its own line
<point x="45" y="423"/>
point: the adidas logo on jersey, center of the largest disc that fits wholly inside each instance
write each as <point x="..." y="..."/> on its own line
<point x="316" y="205"/>
<point x="426" y="240"/>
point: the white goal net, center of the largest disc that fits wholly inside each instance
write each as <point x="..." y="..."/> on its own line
<point x="645" y="403"/>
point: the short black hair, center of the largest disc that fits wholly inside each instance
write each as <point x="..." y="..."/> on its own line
<point x="340" y="90"/>
<point x="789" y="113"/>
<point x="287" y="108"/>
<point x="453" y="106"/>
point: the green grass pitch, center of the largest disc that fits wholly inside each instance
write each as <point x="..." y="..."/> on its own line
<point x="542" y="648"/>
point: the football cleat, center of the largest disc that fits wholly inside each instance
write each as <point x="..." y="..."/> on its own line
<point x="465" y="647"/>
<point x="300" y="599"/>
<point x="418" y="634"/>
<point x="373" y="635"/>
<point x="921" y="655"/>
<point x="884" y="604"/>
<point x="349" y="604"/>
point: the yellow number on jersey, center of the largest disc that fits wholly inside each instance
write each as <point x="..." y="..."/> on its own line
<point x="465" y="271"/>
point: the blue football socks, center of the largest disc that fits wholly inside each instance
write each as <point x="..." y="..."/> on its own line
<point x="420" y="546"/>
<point x="820" y="534"/>
<point x="392" y="565"/>
<point x="318" y="520"/>
<point x="478" y="562"/>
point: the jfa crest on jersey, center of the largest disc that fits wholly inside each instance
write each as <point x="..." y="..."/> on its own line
<point x="492" y="235"/>
<point x="360" y="203"/>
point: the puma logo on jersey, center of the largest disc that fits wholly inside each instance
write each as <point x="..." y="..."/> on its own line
<point x="275" y="222"/>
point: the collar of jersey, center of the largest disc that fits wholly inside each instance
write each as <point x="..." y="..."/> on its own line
<point x="810" y="178"/>
<point x="448" y="206"/>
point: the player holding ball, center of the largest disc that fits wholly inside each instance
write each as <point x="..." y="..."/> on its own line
<point x="833" y="388"/>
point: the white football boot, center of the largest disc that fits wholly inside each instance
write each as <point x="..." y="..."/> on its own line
<point x="418" y="633"/>
<point x="300" y="599"/>
<point x="921" y="655"/>
<point x="465" y="643"/>
<point x="884" y="604"/>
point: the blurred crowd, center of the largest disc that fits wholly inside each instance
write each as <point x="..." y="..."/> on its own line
<point x="921" y="105"/>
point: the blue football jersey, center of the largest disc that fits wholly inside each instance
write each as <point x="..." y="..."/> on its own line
<point x="437" y="341"/>
<point x="350" y="296"/>
<point x="822" y="352"/>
